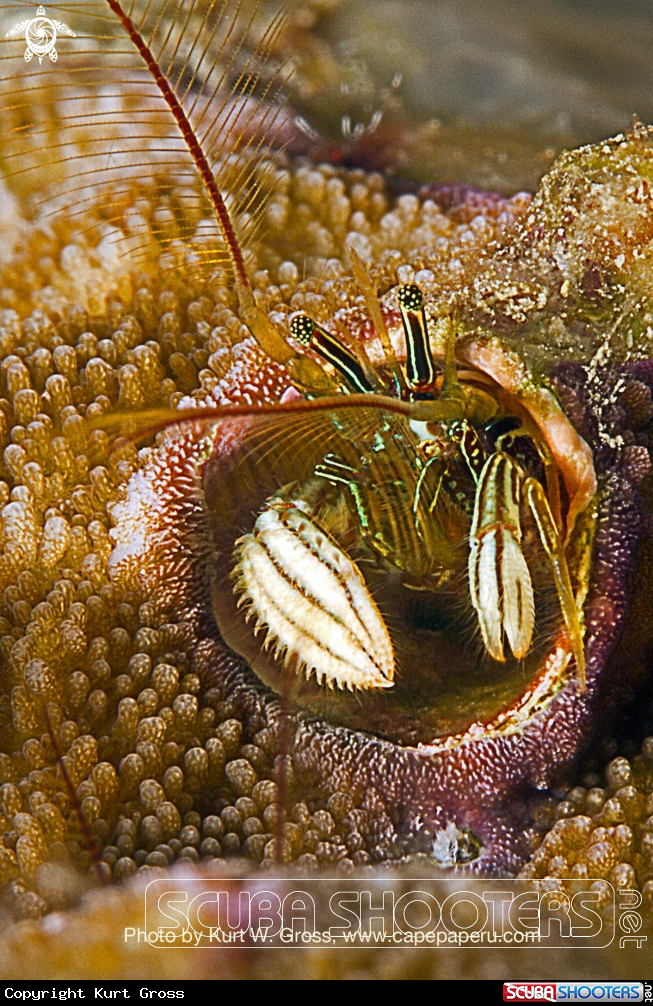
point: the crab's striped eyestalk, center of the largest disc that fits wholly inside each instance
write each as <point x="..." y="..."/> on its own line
<point x="420" y="371"/>
<point x="309" y="333"/>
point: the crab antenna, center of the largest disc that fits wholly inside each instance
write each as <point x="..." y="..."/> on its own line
<point x="362" y="277"/>
<point x="450" y="377"/>
<point x="217" y="201"/>
<point x="420" y="370"/>
<point x="269" y="338"/>
<point x="308" y="333"/>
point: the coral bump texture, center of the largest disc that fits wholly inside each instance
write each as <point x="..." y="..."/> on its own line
<point x="142" y="721"/>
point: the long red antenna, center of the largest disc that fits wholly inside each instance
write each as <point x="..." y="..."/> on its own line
<point x="218" y="203"/>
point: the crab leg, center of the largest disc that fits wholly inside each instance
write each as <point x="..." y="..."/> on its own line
<point x="553" y="547"/>
<point x="500" y="584"/>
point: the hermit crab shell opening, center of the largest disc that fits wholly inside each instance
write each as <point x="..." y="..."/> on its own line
<point x="444" y="680"/>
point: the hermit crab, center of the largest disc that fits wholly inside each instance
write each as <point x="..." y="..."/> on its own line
<point x="407" y="497"/>
<point x="427" y="474"/>
<point x="404" y="543"/>
<point x="395" y="522"/>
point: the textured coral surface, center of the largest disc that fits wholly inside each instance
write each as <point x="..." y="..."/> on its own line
<point x="131" y="738"/>
<point x="168" y="744"/>
<point x="107" y="676"/>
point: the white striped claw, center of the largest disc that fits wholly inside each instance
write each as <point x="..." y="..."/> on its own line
<point x="313" y="602"/>
<point x="499" y="581"/>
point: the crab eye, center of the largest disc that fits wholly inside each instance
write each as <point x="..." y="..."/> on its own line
<point x="331" y="349"/>
<point x="420" y="370"/>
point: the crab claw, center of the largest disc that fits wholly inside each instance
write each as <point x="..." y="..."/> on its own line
<point x="499" y="581"/>
<point x="313" y="601"/>
<point x="570" y="452"/>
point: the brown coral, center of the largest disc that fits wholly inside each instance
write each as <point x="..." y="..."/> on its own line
<point x="603" y="832"/>
<point x="96" y="685"/>
<point x="109" y="729"/>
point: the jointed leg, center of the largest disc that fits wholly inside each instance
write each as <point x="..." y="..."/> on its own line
<point x="553" y="547"/>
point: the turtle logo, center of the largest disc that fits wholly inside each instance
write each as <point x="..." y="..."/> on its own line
<point x="40" y="35"/>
